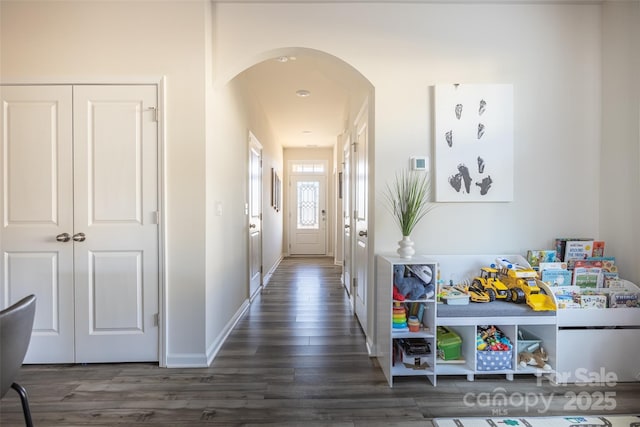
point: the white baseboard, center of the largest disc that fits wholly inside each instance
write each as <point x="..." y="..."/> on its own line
<point x="198" y="360"/>
<point x="186" y="360"/>
<point x="267" y="277"/>
<point x="215" y="347"/>
<point x="371" y="350"/>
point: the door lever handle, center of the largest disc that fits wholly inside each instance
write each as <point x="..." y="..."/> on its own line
<point x="362" y="233"/>
<point x="252" y="226"/>
<point x="79" y="237"/>
<point x="64" y="237"/>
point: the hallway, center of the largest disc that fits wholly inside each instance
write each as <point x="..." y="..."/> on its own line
<point x="297" y="358"/>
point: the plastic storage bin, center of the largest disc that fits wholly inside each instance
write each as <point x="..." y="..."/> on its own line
<point x="449" y="344"/>
<point x="527" y="341"/>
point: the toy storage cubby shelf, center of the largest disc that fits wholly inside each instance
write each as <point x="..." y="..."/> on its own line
<point x="387" y="338"/>
<point x="580" y="342"/>
<point x="542" y="327"/>
<point x="463" y="320"/>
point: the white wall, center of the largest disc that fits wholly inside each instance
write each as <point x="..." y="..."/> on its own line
<point x="272" y="157"/>
<point x="403" y="49"/>
<point x="50" y="42"/>
<point x="235" y="113"/>
<point x="620" y="152"/>
<point x="227" y="267"/>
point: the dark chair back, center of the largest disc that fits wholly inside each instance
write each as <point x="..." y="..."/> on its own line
<point x="16" y="324"/>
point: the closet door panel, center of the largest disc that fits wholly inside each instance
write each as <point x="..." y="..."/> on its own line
<point x="37" y="216"/>
<point x="116" y="200"/>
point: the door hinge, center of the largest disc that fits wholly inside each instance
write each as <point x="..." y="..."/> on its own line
<point x="156" y="320"/>
<point x="355" y="213"/>
<point x="355" y="282"/>
<point x="156" y="218"/>
<point x="344" y="262"/>
<point x="355" y="147"/>
<point x="155" y="113"/>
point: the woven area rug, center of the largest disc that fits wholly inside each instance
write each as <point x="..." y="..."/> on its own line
<point x="590" y="421"/>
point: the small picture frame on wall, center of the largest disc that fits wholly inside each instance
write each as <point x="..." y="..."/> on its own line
<point x="273" y="187"/>
<point x="276" y="188"/>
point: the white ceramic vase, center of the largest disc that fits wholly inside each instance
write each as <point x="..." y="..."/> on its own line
<point x="406" y="247"/>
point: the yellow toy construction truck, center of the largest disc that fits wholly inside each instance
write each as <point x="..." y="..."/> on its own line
<point x="491" y="284"/>
<point x="522" y="285"/>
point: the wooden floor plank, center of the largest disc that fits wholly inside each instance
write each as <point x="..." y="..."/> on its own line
<point x="298" y="357"/>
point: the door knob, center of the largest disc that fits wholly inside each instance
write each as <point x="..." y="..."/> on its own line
<point x="64" y="237"/>
<point x="362" y="233"/>
<point x="79" y="237"/>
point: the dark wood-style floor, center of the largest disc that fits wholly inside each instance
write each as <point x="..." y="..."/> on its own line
<point x="297" y="358"/>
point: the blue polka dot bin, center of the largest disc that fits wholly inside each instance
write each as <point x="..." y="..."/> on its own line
<point x="494" y="349"/>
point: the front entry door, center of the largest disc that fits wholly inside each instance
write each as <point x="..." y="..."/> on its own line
<point x="308" y="215"/>
<point x="80" y="219"/>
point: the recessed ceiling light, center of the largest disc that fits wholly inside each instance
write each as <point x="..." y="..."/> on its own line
<point x="303" y="93"/>
<point x="285" y="58"/>
<point x="306" y="131"/>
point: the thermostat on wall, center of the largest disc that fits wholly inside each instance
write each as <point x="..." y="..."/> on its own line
<point x="419" y="163"/>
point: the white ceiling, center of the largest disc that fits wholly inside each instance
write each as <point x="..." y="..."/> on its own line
<point x="312" y="121"/>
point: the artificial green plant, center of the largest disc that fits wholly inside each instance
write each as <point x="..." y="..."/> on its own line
<point x="408" y="198"/>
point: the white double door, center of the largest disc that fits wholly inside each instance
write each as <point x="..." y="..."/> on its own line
<point x="79" y="211"/>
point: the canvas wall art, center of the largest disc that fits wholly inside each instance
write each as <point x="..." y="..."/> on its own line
<point x="473" y="143"/>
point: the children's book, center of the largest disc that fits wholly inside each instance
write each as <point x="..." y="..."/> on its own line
<point x="623" y="299"/>
<point x="561" y="243"/>
<point x="536" y="256"/>
<point x="588" y="274"/>
<point x="556" y="277"/>
<point x="578" y="249"/>
<point x="609" y="268"/>
<point x="557" y="265"/>
<point x="592" y="301"/>
<point x="598" y="248"/>
<point x="608" y="262"/>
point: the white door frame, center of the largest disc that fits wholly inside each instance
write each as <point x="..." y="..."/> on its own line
<point x="290" y="205"/>
<point x="160" y="83"/>
<point x="254" y="224"/>
<point x="347" y="216"/>
<point x="360" y="219"/>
